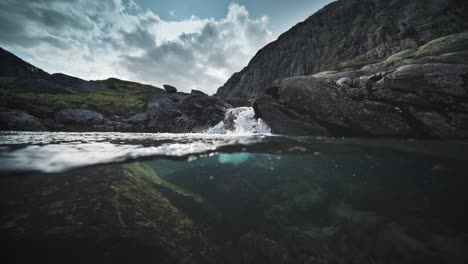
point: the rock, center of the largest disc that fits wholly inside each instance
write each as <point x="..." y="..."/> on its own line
<point x="361" y="31"/>
<point x="182" y="114"/>
<point x="283" y="120"/>
<point x="138" y="119"/>
<point x="238" y="102"/>
<point x="19" y="120"/>
<point x="123" y="127"/>
<point x="128" y="215"/>
<point x="78" y="117"/>
<point x="103" y="128"/>
<point x="203" y="111"/>
<point x="346" y="81"/>
<point x="162" y="112"/>
<point x="170" y="88"/>
<point x="426" y="100"/>
<point x="193" y="91"/>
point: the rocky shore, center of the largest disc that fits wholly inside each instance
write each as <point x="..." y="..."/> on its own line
<point x="381" y="73"/>
<point x="419" y="93"/>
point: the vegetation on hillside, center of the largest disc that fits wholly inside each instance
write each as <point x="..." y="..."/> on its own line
<point x="123" y="98"/>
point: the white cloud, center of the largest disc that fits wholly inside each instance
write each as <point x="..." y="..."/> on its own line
<point x="91" y="40"/>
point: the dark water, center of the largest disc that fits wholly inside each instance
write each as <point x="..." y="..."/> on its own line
<point x="116" y="198"/>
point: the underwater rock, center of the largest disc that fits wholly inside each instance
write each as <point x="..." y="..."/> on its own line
<point x="110" y="214"/>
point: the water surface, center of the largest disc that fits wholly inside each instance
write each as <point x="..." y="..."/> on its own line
<point x="200" y="198"/>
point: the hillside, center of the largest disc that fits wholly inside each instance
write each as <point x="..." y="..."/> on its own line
<point x="357" y="31"/>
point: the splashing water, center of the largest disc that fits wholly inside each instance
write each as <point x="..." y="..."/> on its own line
<point x="240" y="120"/>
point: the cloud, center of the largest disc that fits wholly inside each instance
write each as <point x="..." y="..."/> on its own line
<point x="100" y="39"/>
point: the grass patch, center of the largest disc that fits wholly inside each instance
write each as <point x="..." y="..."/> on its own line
<point x="105" y="102"/>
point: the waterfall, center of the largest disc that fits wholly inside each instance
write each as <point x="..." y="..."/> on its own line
<point x="240" y="120"/>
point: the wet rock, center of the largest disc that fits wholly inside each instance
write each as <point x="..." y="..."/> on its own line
<point x="78" y="117"/>
<point x="103" y="128"/>
<point x="170" y="88"/>
<point x="107" y="214"/>
<point x="123" y="127"/>
<point x="19" y="120"/>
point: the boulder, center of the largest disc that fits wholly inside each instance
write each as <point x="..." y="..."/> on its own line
<point x="138" y="119"/>
<point x="181" y="114"/>
<point x="19" y="120"/>
<point x="162" y="111"/>
<point x="78" y="117"/>
<point x="170" y="88"/>
<point x="194" y="91"/>
<point x="122" y="217"/>
<point x="423" y="101"/>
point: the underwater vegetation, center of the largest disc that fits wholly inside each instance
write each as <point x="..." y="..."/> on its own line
<point x="242" y="208"/>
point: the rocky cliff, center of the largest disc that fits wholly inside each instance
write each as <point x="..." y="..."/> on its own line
<point x="348" y="33"/>
<point x="421" y="93"/>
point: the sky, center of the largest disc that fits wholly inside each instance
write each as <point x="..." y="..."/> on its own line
<point x="192" y="44"/>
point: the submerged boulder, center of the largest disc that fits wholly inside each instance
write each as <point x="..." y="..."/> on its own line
<point x="104" y="214"/>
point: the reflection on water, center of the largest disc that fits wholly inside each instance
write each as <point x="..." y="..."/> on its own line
<point x="267" y="200"/>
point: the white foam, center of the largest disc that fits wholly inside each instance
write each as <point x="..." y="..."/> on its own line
<point x="244" y="122"/>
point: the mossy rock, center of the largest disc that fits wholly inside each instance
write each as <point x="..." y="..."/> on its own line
<point x="116" y="210"/>
<point x="400" y="55"/>
<point x="443" y="45"/>
<point x="324" y="73"/>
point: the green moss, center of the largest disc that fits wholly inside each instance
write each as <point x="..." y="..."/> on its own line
<point x="354" y="64"/>
<point x="400" y="55"/>
<point x="59" y="105"/>
<point x="443" y="45"/>
<point x="139" y="205"/>
<point x="149" y="175"/>
<point x="324" y="73"/>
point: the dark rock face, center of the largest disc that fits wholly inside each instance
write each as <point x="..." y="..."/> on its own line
<point x="179" y="114"/>
<point x="362" y="30"/>
<point x="170" y="88"/>
<point x="78" y="117"/>
<point x="238" y="102"/>
<point x="427" y="100"/>
<point x="19" y="120"/>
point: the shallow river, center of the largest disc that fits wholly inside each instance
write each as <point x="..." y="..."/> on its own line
<point x="210" y="198"/>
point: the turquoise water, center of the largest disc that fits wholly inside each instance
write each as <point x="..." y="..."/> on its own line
<point x="220" y="199"/>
